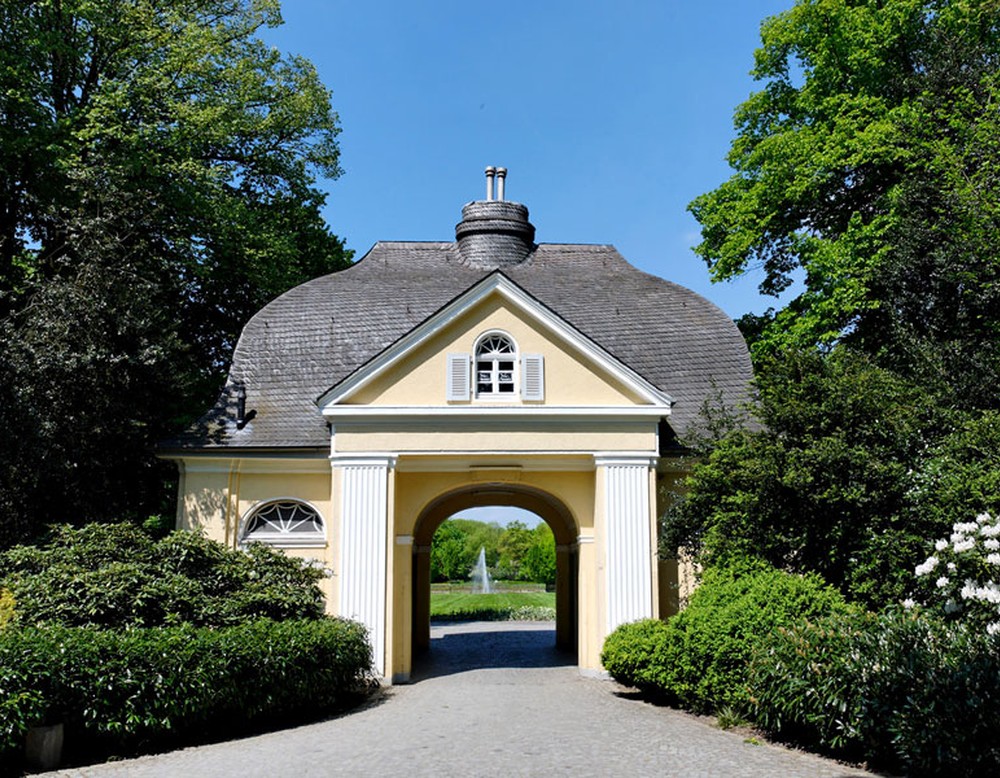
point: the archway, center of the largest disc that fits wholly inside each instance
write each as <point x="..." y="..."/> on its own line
<point x="545" y="506"/>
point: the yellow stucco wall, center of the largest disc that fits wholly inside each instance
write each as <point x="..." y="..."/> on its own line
<point x="570" y="377"/>
<point x="217" y="494"/>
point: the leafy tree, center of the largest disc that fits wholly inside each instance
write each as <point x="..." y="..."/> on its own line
<point x="456" y="545"/>
<point x="868" y="166"/>
<point x="450" y="558"/>
<point x="513" y="552"/>
<point x="960" y="475"/>
<point x="515" y="542"/>
<point x="824" y="483"/>
<point x="539" y="563"/>
<point x="157" y="169"/>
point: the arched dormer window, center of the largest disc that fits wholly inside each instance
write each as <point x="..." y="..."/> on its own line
<point x="284" y="523"/>
<point x="495" y="372"/>
<point x="496" y="361"/>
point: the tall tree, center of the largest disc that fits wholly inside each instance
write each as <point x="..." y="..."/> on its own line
<point x="157" y="186"/>
<point x="828" y="483"/>
<point x="867" y="167"/>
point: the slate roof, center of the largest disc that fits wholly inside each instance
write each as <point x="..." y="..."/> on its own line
<point x="315" y="335"/>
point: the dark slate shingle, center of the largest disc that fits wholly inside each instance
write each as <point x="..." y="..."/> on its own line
<point x="317" y="334"/>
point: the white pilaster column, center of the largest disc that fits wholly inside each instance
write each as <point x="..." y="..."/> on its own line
<point x="364" y="513"/>
<point x="628" y="543"/>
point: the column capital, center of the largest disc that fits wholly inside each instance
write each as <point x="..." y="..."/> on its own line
<point x="625" y="458"/>
<point x="364" y="460"/>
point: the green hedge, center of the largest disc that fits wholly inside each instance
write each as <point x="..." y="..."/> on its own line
<point x="501" y="613"/>
<point x="132" y="690"/>
<point x="906" y="693"/>
<point x="701" y="657"/>
<point x="117" y="575"/>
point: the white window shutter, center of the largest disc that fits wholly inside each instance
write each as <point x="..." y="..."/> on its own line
<point x="533" y="377"/>
<point x="459" y="380"/>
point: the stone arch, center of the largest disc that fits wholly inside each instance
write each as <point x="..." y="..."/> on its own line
<point x="546" y="506"/>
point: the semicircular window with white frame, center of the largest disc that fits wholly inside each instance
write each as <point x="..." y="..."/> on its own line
<point x="284" y="523"/>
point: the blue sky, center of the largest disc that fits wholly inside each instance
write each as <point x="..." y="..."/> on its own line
<point x="609" y="116"/>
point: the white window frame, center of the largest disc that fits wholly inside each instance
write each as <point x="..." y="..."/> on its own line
<point x="514" y="359"/>
<point x="286" y="539"/>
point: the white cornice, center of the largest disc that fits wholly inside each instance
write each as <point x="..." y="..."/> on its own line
<point x="477" y="462"/>
<point x="625" y="458"/>
<point x="536" y="413"/>
<point x="499" y="283"/>
<point x="364" y="459"/>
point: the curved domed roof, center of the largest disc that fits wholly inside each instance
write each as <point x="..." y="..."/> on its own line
<point x="317" y="334"/>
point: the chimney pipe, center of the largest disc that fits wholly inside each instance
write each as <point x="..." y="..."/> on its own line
<point x="242" y="416"/>
<point x="489" y="182"/>
<point x="501" y="175"/>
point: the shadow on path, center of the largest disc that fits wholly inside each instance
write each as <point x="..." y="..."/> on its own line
<point x="459" y="647"/>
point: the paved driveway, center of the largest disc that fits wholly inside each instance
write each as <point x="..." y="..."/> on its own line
<point x="491" y="700"/>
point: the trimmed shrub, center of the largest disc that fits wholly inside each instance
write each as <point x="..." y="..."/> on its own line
<point x="633" y="652"/>
<point x="132" y="690"/>
<point x="905" y="692"/>
<point x="703" y="659"/>
<point x="116" y="575"/>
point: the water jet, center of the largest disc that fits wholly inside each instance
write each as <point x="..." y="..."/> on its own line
<point x="481" y="583"/>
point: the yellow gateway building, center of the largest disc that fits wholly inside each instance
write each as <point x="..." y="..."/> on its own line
<point x="364" y="408"/>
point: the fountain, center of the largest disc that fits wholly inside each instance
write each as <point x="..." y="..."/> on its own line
<point x="481" y="583"/>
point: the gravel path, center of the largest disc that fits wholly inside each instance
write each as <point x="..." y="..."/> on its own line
<point x="491" y="700"/>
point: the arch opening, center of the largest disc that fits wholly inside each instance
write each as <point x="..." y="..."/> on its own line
<point x="543" y="505"/>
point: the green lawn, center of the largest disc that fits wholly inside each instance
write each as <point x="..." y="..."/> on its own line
<point x="502" y="606"/>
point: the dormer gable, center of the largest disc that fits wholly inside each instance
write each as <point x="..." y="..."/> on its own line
<point x="494" y="347"/>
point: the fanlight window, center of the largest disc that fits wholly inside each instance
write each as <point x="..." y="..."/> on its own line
<point x="495" y="361"/>
<point x="285" y="523"/>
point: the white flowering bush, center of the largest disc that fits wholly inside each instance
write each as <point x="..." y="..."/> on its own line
<point x="962" y="577"/>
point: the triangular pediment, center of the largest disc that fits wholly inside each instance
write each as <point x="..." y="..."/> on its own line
<point x="587" y="374"/>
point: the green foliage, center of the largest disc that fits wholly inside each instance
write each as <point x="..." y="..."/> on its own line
<point x="907" y="693"/>
<point x="498" y="606"/>
<point x="867" y="167"/>
<point x="452" y="554"/>
<point x="513" y="552"/>
<point x="700" y="658"/>
<point x="960" y="477"/>
<point x="137" y="689"/>
<point x="158" y="187"/>
<point x="539" y="561"/>
<point x="959" y="580"/>
<point x="514" y="545"/>
<point x="7" y="607"/>
<point x="115" y="575"/>
<point x="824" y="485"/>
<point x="634" y="652"/>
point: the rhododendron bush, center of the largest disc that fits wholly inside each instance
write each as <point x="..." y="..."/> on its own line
<point x="961" y="579"/>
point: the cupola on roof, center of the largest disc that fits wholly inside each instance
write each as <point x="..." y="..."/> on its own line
<point x="494" y="233"/>
<point x="316" y="335"/>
